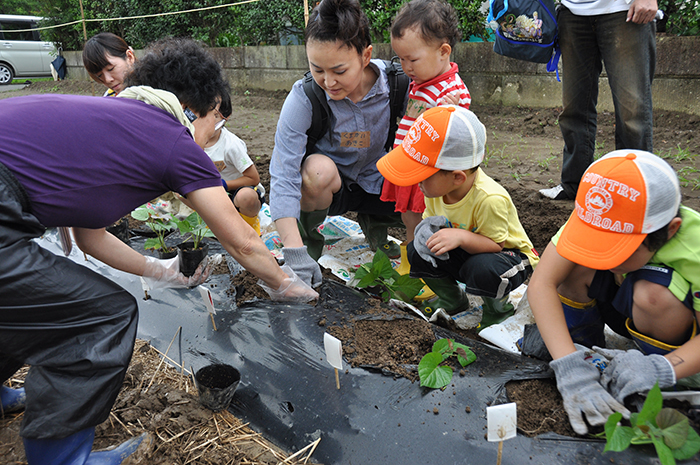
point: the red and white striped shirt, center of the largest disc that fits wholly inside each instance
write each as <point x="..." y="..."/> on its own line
<point x="427" y="95"/>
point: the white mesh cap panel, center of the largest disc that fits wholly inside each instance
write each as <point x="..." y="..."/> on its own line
<point x="464" y="142"/>
<point x="663" y="191"/>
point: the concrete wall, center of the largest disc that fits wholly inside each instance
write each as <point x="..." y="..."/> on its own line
<point x="491" y="78"/>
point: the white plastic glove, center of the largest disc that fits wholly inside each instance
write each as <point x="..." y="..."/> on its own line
<point x="163" y="274"/>
<point x="292" y="289"/>
<point x="578" y="383"/>
<point x="631" y="371"/>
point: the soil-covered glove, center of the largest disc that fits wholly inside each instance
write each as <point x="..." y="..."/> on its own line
<point x="292" y="288"/>
<point x="578" y="383"/>
<point x="631" y="371"/>
<point x="424" y="231"/>
<point x="162" y="274"/>
<point x="303" y="265"/>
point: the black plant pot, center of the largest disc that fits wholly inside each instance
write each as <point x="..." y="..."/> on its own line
<point x="191" y="258"/>
<point x="163" y="255"/>
<point x="121" y="230"/>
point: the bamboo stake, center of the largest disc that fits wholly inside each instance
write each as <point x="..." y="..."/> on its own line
<point x="163" y="359"/>
<point x="337" y="379"/>
<point x="212" y="321"/>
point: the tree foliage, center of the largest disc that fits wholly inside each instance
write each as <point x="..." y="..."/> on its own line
<point x="257" y="23"/>
<point x="682" y="18"/>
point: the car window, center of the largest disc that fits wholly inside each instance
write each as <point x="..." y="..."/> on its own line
<point x="7" y="31"/>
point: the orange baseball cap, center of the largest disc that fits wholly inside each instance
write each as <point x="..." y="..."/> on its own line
<point x="442" y="138"/>
<point x="621" y="198"/>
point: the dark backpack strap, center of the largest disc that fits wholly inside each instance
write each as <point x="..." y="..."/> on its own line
<point x="398" y="87"/>
<point x="320" y="113"/>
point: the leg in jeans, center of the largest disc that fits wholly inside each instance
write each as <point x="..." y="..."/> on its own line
<point x="629" y="54"/>
<point x="581" y="68"/>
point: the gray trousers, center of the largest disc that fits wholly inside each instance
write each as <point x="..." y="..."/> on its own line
<point x="75" y="328"/>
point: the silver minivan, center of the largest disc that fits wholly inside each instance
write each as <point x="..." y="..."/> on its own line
<point x="23" y="53"/>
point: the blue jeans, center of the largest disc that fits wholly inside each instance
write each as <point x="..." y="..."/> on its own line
<point x="628" y="51"/>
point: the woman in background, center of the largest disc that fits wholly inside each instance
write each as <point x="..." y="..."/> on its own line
<point x="108" y="59"/>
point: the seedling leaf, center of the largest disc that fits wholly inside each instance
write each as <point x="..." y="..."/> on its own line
<point x="690" y="448"/>
<point x="663" y="451"/>
<point x="674" y="427"/>
<point x="618" y="436"/>
<point x="652" y="407"/>
<point x="431" y="374"/>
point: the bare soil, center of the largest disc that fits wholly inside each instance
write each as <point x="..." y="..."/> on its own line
<point x="523" y="154"/>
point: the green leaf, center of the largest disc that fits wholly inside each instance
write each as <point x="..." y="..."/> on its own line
<point x="674" y="427"/>
<point x="464" y="355"/>
<point x="690" y="448"/>
<point x="652" y="406"/>
<point x="618" y="437"/>
<point x="407" y="287"/>
<point x="382" y="265"/>
<point x="431" y="374"/>
<point x="140" y="214"/>
<point x="368" y="279"/>
<point x="663" y="451"/>
<point x="442" y="346"/>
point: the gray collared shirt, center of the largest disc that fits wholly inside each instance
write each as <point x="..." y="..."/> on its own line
<point x="345" y="143"/>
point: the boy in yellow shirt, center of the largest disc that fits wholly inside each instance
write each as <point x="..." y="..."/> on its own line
<point x="470" y="230"/>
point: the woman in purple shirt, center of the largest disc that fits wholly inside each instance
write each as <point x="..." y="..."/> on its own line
<point x="97" y="161"/>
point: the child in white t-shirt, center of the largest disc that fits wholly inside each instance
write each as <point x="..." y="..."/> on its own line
<point x="238" y="173"/>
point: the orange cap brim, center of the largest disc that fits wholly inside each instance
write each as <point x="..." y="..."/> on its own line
<point x="595" y="248"/>
<point x="400" y="169"/>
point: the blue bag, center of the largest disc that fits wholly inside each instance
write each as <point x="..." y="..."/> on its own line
<point x="526" y="30"/>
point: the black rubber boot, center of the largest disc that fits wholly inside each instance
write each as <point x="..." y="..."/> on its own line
<point x="375" y="229"/>
<point x="449" y="296"/>
<point x="308" y="228"/>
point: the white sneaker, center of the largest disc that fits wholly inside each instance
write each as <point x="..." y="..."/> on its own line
<point x="555" y="193"/>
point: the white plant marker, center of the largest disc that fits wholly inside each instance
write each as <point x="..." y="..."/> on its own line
<point x="208" y="302"/>
<point x="145" y="287"/>
<point x="502" y="420"/>
<point x="334" y="354"/>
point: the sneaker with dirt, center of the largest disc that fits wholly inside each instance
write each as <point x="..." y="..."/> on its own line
<point x="555" y="193"/>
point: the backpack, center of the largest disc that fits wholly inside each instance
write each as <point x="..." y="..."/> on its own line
<point x="320" y="114"/>
<point x="526" y="30"/>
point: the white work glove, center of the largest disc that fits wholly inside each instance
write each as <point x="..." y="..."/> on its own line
<point x="303" y="265"/>
<point x="631" y="371"/>
<point x="578" y="383"/>
<point x="292" y="288"/>
<point x="162" y="274"/>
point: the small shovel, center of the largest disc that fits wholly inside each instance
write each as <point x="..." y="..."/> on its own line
<point x="502" y="421"/>
<point x="334" y="354"/>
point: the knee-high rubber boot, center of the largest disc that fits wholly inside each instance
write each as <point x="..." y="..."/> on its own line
<point x="495" y="311"/>
<point x="450" y="297"/>
<point x="76" y="449"/>
<point x="12" y="400"/>
<point x="375" y="229"/>
<point x="253" y="221"/>
<point x="584" y="322"/>
<point x="308" y="228"/>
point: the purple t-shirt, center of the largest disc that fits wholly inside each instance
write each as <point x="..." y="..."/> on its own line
<point x="88" y="161"/>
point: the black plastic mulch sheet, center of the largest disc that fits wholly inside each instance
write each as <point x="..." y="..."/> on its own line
<point x="288" y="390"/>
